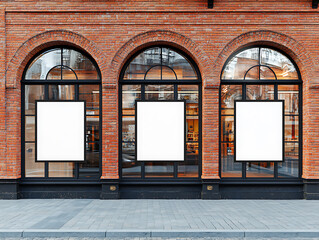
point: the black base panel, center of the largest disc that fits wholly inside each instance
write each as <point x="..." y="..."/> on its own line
<point x="160" y="191"/>
<point x="9" y="189"/>
<point x="311" y="189"/>
<point x="264" y="191"/>
<point x="65" y="191"/>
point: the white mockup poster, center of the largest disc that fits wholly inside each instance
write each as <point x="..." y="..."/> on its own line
<point x="60" y="131"/>
<point x="259" y="129"/>
<point x="160" y="131"/>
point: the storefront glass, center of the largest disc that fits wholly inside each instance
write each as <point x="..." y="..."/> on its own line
<point x="260" y="73"/>
<point x="62" y="74"/>
<point x="159" y="74"/>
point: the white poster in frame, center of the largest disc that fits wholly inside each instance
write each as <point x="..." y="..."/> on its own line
<point x="60" y="131"/>
<point x="259" y="130"/>
<point x="160" y="130"/>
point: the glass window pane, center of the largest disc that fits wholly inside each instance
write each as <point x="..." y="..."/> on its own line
<point x="154" y="73"/>
<point x="192" y="128"/>
<point x="266" y="74"/>
<point x="168" y="74"/>
<point x="130" y="167"/>
<point x="32" y="168"/>
<point x="289" y="93"/>
<point x="54" y="74"/>
<point x="130" y="93"/>
<point x="227" y="128"/>
<point x="159" y="92"/>
<point x="32" y="93"/>
<point x="290" y="166"/>
<point x="29" y="129"/>
<point x="61" y="92"/>
<point x="128" y="128"/>
<point x="43" y="63"/>
<point x="90" y="168"/>
<point x="68" y="74"/>
<point x="230" y="93"/>
<point x="83" y="67"/>
<point x="279" y="63"/>
<point x="91" y="94"/>
<point x="190" y="94"/>
<point x="260" y="92"/>
<point x="92" y="128"/>
<point x="229" y="167"/>
<point x="189" y="167"/>
<point x="239" y="65"/>
<point x="140" y="64"/>
<point x="260" y="170"/>
<point x="159" y="169"/>
<point x="252" y="74"/>
<point x="291" y="128"/>
<point x="180" y="64"/>
<point x="61" y="169"/>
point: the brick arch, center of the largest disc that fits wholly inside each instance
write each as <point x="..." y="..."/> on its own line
<point x="268" y="38"/>
<point x="44" y="40"/>
<point x="157" y="37"/>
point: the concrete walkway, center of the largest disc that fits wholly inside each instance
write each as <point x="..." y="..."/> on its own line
<point x="159" y="218"/>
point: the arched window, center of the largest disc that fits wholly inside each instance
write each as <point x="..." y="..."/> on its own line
<point x="62" y="73"/>
<point x="261" y="73"/>
<point x="160" y="73"/>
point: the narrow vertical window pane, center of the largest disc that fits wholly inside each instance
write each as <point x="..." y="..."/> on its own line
<point x="229" y="167"/>
<point x="190" y="95"/>
<point x="189" y="167"/>
<point x="259" y="169"/>
<point x="130" y="167"/>
<point x="290" y="167"/>
<point x="32" y="168"/>
<point x="91" y="95"/>
<point x="32" y="93"/>
<point x="128" y="128"/>
<point x="289" y="93"/>
<point x="291" y="128"/>
<point x="130" y="93"/>
<point x="227" y="128"/>
<point x="192" y="128"/>
<point x="229" y="93"/>
<point x="29" y="131"/>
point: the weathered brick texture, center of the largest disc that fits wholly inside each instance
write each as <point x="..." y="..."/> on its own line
<point x="111" y="31"/>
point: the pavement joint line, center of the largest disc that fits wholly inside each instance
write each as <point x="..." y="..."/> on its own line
<point x="261" y="233"/>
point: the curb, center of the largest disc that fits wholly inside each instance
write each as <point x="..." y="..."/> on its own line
<point x="160" y="233"/>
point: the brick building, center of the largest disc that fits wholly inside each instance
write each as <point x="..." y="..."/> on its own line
<point x="206" y="54"/>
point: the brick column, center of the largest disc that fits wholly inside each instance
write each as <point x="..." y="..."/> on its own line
<point x="210" y="142"/>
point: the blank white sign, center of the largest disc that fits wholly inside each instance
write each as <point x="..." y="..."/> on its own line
<point x="259" y="131"/>
<point x="60" y="131"/>
<point x="160" y="131"/>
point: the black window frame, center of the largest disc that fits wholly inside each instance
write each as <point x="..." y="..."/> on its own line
<point x="173" y="82"/>
<point x="46" y="84"/>
<point x="275" y="83"/>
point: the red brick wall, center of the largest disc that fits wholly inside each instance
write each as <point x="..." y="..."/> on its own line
<point x="111" y="31"/>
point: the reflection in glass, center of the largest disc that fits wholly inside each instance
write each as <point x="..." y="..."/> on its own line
<point x="40" y="66"/>
<point x="92" y="128"/>
<point x="238" y="65"/>
<point x="68" y="74"/>
<point x="230" y="93"/>
<point x="128" y="128"/>
<point x="55" y="74"/>
<point x="159" y="169"/>
<point x="91" y="95"/>
<point x="260" y="92"/>
<point x="289" y="167"/>
<point x="32" y="93"/>
<point x="130" y="167"/>
<point x="61" y="92"/>
<point x="289" y="93"/>
<point x="154" y="73"/>
<point x="279" y="63"/>
<point x="192" y="128"/>
<point x="61" y="169"/>
<point x="227" y="128"/>
<point x="291" y="128"/>
<point x="83" y="67"/>
<point x="252" y="74"/>
<point x="168" y="74"/>
<point x="90" y="167"/>
<point x="189" y="167"/>
<point x="32" y="168"/>
<point x="266" y="74"/>
<point x="260" y="170"/>
<point x="159" y="92"/>
<point x="29" y="130"/>
<point x="229" y="167"/>
<point x="130" y="93"/>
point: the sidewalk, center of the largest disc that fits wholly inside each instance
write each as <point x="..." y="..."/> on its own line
<point x="159" y="218"/>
